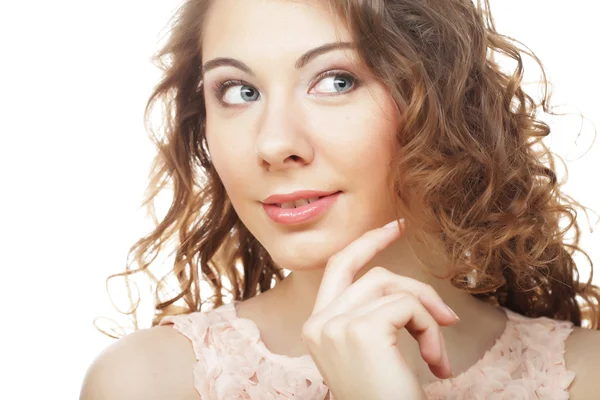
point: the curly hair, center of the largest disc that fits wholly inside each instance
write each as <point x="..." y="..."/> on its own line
<point x="474" y="180"/>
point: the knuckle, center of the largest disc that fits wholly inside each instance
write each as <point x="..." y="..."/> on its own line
<point x="411" y="299"/>
<point x="332" y="330"/>
<point x="398" y="295"/>
<point x="332" y="260"/>
<point x="428" y="291"/>
<point x="356" y="331"/>
<point x="309" y="332"/>
<point x="378" y="272"/>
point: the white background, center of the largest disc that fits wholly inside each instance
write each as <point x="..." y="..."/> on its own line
<point x="74" y="158"/>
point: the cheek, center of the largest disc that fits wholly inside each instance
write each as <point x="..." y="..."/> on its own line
<point x="362" y="140"/>
<point x="371" y="136"/>
<point x="229" y="158"/>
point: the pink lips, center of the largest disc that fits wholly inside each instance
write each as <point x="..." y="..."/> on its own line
<point x="299" y="195"/>
<point x="301" y="214"/>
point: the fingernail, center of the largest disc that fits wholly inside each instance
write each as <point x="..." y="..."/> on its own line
<point x="394" y="224"/>
<point x="452" y="312"/>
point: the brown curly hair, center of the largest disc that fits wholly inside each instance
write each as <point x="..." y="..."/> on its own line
<point x="473" y="178"/>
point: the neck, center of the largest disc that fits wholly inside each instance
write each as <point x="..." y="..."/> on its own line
<point x="300" y="288"/>
<point x="480" y="325"/>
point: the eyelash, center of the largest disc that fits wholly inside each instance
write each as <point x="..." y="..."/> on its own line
<point x="220" y="87"/>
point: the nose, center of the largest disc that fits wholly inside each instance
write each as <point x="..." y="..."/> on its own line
<point x="283" y="141"/>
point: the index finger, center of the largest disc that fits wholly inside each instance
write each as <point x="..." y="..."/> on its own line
<point x="343" y="266"/>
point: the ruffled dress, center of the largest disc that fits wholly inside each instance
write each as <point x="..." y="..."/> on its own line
<point x="526" y="362"/>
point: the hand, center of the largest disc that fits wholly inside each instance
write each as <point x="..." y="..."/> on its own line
<point x="352" y="332"/>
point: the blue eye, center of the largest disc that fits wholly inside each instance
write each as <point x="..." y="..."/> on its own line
<point x="341" y="82"/>
<point x="227" y="95"/>
<point x="235" y="92"/>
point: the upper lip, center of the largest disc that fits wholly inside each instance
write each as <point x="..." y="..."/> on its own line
<point x="302" y="194"/>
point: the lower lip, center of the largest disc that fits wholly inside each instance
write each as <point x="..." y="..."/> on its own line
<point x="301" y="214"/>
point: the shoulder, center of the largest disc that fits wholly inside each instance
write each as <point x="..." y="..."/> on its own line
<point x="582" y="356"/>
<point x="155" y="363"/>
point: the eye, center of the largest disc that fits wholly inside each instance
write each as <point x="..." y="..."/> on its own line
<point x="234" y="92"/>
<point x="335" y="82"/>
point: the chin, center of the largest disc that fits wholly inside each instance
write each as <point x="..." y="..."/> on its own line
<point x="302" y="263"/>
<point x="298" y="254"/>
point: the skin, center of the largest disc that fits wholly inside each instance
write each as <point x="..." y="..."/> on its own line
<point x="289" y="130"/>
<point x="290" y="140"/>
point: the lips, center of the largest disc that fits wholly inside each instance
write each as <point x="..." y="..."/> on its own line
<point x="302" y="214"/>
<point x="296" y="196"/>
<point x="299" y="203"/>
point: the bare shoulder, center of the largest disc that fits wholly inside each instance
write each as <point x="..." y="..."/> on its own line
<point x="582" y="356"/>
<point x="155" y="363"/>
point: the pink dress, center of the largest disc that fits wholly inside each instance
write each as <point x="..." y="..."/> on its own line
<point x="526" y="362"/>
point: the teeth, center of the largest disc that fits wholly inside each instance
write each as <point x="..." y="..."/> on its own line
<point x="298" y="203"/>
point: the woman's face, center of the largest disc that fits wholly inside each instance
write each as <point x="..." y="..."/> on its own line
<point x="286" y="127"/>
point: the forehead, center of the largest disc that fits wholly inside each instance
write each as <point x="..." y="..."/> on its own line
<point x="245" y="27"/>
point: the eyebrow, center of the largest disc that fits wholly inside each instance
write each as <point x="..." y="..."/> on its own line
<point x="301" y="62"/>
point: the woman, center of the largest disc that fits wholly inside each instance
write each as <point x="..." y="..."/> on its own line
<point x="295" y="131"/>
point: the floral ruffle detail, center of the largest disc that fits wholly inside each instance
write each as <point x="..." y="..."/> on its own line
<point x="527" y="362"/>
<point x="231" y="363"/>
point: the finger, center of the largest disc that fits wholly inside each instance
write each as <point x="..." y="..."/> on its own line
<point x="369" y="308"/>
<point x="409" y="313"/>
<point x="444" y="367"/>
<point x="428" y="338"/>
<point x="343" y="266"/>
<point x="380" y="282"/>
